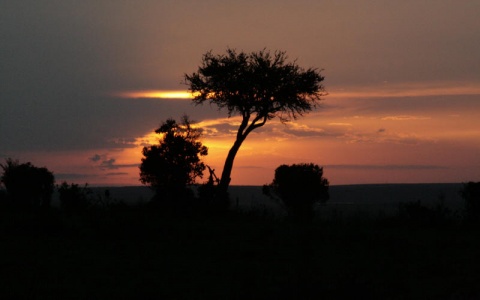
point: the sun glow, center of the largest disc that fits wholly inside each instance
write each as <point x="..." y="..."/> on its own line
<point x="159" y="94"/>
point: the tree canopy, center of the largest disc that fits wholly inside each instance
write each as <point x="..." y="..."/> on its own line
<point x="175" y="162"/>
<point x="299" y="186"/>
<point x="27" y="186"/>
<point x="258" y="86"/>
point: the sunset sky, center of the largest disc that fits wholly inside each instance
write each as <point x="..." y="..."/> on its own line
<point x="83" y="85"/>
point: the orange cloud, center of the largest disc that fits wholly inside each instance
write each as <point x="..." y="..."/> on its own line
<point x="404" y="118"/>
<point x="388" y="90"/>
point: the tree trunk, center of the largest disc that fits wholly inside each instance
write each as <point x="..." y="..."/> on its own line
<point x="227" y="168"/>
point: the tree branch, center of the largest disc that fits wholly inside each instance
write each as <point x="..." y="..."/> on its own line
<point x="240" y="133"/>
<point x="255" y="125"/>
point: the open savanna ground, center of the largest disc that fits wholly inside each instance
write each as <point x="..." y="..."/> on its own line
<point x="138" y="251"/>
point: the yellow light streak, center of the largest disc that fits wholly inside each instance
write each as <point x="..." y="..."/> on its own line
<point x="157" y="94"/>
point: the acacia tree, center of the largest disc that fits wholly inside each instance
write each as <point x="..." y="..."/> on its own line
<point x="258" y="86"/>
<point x="173" y="164"/>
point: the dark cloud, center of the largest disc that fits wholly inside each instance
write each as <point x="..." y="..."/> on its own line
<point x="104" y="162"/>
<point x="108" y="164"/>
<point x="102" y="124"/>
<point x="61" y="59"/>
<point x="96" y="158"/>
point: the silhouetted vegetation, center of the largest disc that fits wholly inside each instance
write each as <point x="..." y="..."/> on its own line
<point x="175" y="162"/>
<point x="471" y="195"/>
<point x="419" y="215"/>
<point x="209" y="202"/>
<point x="133" y="251"/>
<point x="299" y="186"/>
<point x="3" y="197"/>
<point x="27" y="186"/>
<point x="73" y="198"/>
<point x="258" y="86"/>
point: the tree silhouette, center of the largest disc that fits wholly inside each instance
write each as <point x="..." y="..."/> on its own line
<point x="299" y="187"/>
<point x="258" y="86"/>
<point x="471" y="194"/>
<point x="74" y="198"/>
<point x="175" y="162"/>
<point x="27" y="186"/>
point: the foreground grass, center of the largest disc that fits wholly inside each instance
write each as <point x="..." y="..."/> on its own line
<point x="137" y="252"/>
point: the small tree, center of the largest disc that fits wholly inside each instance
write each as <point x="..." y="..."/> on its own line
<point x="471" y="194"/>
<point x="73" y="198"/>
<point x="299" y="187"/>
<point x="175" y="162"/>
<point x="258" y="86"/>
<point x="27" y="186"/>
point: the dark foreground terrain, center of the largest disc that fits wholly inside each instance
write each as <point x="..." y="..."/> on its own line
<point x="361" y="244"/>
<point x="138" y="252"/>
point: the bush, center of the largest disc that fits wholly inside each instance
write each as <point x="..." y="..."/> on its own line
<point x="73" y="198"/>
<point x="299" y="187"/>
<point x="471" y="195"/>
<point x="27" y="186"/>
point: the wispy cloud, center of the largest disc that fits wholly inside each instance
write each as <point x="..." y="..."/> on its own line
<point x="385" y="167"/>
<point x="405" y="118"/>
<point x="301" y="130"/>
<point x="220" y="127"/>
<point x="388" y="90"/>
<point x="116" y="174"/>
<point x="339" y="124"/>
<point x="250" y="167"/>
<point x="72" y="176"/>
<point x="382" y="137"/>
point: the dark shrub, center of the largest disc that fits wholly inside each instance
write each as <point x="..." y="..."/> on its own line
<point x="210" y="201"/>
<point x="471" y="195"/>
<point x="27" y="186"/>
<point x="3" y="198"/>
<point x="416" y="214"/>
<point x="299" y="187"/>
<point x="73" y="198"/>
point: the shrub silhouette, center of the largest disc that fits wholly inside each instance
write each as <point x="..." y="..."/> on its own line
<point x="73" y="198"/>
<point x="27" y="186"/>
<point x="175" y="163"/>
<point x="209" y="201"/>
<point x="416" y="214"/>
<point x="471" y="194"/>
<point x="299" y="186"/>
